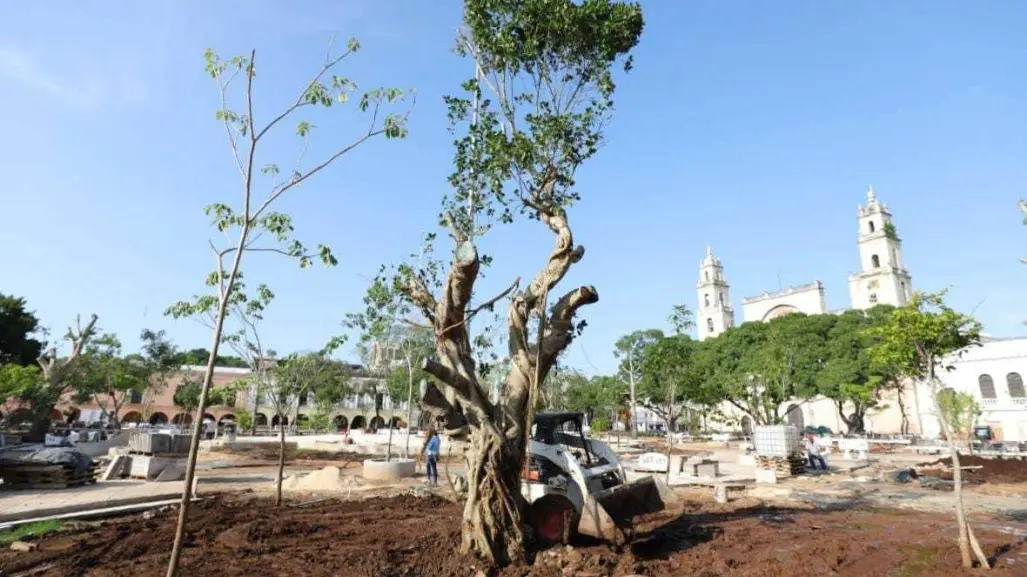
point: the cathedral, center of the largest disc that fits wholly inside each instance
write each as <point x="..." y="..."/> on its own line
<point x="882" y="279"/>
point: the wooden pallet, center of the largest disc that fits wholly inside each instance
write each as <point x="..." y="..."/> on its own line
<point x="47" y="476"/>
<point x="783" y="466"/>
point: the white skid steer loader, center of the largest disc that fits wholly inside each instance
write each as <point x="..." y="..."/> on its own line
<point x="575" y="484"/>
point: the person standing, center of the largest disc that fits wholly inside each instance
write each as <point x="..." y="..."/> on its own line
<point x="431" y="449"/>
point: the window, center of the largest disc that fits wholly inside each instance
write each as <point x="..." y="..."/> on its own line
<point x="873" y="298"/>
<point x="303" y="399"/>
<point x="1015" y="385"/>
<point x="721" y="299"/>
<point x="707" y="275"/>
<point x="987" y="387"/>
<point x="709" y="325"/>
<point x="875" y="261"/>
<point x="706" y="299"/>
<point x="871" y="225"/>
<point x="137" y="397"/>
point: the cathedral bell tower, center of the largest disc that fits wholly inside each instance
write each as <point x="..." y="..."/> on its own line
<point x="714" y="314"/>
<point x="883" y="278"/>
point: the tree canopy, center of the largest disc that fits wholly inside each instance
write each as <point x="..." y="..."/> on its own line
<point x="18" y="329"/>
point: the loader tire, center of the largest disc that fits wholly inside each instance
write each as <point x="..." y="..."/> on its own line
<point x="554" y="520"/>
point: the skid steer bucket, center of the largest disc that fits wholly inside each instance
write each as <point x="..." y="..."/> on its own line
<point x="608" y="514"/>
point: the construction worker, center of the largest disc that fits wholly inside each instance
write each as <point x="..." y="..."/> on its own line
<point x="432" y="446"/>
<point x="813" y="454"/>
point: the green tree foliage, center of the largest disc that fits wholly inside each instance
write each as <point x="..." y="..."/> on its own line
<point x="596" y="396"/>
<point x="960" y="410"/>
<point x="18" y="327"/>
<point x="849" y="376"/>
<point x="630" y="350"/>
<point x="199" y="357"/>
<point x="187" y="395"/>
<point x="244" y="419"/>
<point x="671" y="380"/>
<point x="16" y="381"/>
<point x="919" y="339"/>
<point x="106" y="377"/>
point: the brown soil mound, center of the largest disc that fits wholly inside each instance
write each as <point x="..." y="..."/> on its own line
<point x="991" y="471"/>
<point x="414" y="537"/>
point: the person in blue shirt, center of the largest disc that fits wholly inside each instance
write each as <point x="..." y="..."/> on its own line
<point x="432" y="445"/>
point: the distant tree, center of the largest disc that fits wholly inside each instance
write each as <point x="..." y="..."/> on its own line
<point x="848" y="376"/>
<point x="671" y="381"/>
<point x="56" y="372"/>
<point x="187" y="395"/>
<point x="15" y="383"/>
<point x="199" y="357"/>
<point x="18" y="326"/>
<point x="243" y="418"/>
<point x="961" y="411"/>
<point x="108" y="379"/>
<point x="920" y="339"/>
<point x="630" y="350"/>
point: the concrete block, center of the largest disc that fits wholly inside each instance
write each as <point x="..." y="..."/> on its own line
<point x="117" y="468"/>
<point x="720" y="493"/>
<point x="767" y="476"/>
<point x="148" y="467"/>
<point x="382" y="470"/>
<point x="706" y="469"/>
<point x="172" y="472"/>
<point x="747" y="459"/>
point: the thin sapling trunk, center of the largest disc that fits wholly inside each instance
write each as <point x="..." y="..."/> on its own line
<point x="281" y="464"/>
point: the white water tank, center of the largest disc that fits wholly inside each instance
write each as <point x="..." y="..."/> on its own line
<point x="777" y="440"/>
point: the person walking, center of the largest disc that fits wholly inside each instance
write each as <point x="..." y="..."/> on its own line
<point x="432" y="446"/>
<point x="813" y="454"/>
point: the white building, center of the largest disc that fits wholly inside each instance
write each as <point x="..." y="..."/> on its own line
<point x="992" y="372"/>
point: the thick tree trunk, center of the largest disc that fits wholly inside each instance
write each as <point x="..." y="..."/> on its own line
<point x="494" y="513"/>
<point x="281" y="466"/>
<point x="41" y="420"/>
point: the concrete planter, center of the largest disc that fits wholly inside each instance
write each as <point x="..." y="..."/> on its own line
<point x="382" y="470"/>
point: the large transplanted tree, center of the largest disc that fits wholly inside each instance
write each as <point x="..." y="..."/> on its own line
<point x="251" y="225"/>
<point x="530" y="118"/>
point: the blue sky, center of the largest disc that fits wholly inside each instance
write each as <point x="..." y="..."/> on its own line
<point x="752" y="126"/>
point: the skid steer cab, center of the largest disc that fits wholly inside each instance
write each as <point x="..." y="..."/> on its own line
<point x="577" y="485"/>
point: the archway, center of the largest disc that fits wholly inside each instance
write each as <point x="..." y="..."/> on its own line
<point x="359" y="422"/>
<point x="340" y="422"/>
<point x="278" y="419"/>
<point x="182" y="419"/>
<point x="260" y="419"/>
<point x="396" y="423"/>
<point x="778" y="312"/>
<point x="132" y="417"/>
<point x="229" y="418"/>
<point x="56" y="415"/>
<point x="377" y="422"/>
<point x="795" y="418"/>
<point x="158" y="418"/>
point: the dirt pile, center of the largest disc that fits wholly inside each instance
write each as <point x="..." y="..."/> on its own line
<point x="328" y="479"/>
<point x="989" y="471"/>
<point x="415" y="537"/>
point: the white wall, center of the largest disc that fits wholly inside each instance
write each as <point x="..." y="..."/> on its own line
<point x="807" y="299"/>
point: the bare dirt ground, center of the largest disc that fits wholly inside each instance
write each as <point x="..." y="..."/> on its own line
<point x="983" y="470"/>
<point x="415" y="536"/>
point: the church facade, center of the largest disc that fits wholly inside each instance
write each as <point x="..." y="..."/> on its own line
<point x="882" y="279"/>
<point x="991" y="372"/>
